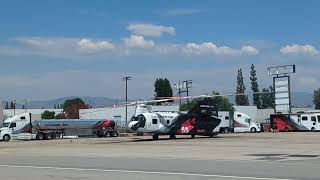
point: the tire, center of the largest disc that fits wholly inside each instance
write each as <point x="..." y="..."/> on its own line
<point x="253" y="130"/>
<point x="155" y="137"/>
<point x="6" y="138"/>
<point x="47" y="136"/>
<point x="39" y="136"/>
<point x="225" y="130"/>
<point x="172" y="136"/>
<point x="193" y="136"/>
<point x="106" y="134"/>
<point x="313" y="129"/>
<point x="286" y="129"/>
<point x="114" y="134"/>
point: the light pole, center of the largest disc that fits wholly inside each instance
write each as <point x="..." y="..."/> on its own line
<point x="127" y="78"/>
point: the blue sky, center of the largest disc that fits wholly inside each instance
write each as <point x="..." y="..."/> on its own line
<point x="51" y="49"/>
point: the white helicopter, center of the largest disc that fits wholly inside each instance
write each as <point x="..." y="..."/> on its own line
<point x="201" y="120"/>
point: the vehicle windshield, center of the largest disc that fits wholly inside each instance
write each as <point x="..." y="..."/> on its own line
<point x="248" y="120"/>
<point x="6" y="124"/>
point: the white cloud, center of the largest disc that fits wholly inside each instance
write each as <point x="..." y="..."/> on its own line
<point x="150" y="29"/>
<point x="98" y="45"/>
<point x="211" y="48"/>
<point x="183" y="11"/>
<point x="250" y="50"/>
<point x="135" y="41"/>
<point x="299" y="49"/>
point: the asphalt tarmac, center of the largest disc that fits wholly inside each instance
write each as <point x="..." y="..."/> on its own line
<point x="262" y="156"/>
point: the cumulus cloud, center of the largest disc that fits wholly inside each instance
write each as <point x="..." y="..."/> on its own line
<point x="150" y="29"/>
<point x="250" y="50"/>
<point x="135" y="41"/>
<point x="211" y="48"/>
<point x="299" y="49"/>
<point x="97" y="45"/>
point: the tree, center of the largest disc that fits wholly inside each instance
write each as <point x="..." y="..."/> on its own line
<point x="188" y="106"/>
<point x="267" y="98"/>
<point x="71" y="108"/>
<point x="48" y="115"/>
<point x="241" y="100"/>
<point x="7" y="105"/>
<point x="54" y="106"/>
<point x="23" y="107"/>
<point x="255" y="87"/>
<point x="221" y="103"/>
<point x="162" y="88"/>
<point x="316" y="98"/>
<point x="12" y="105"/>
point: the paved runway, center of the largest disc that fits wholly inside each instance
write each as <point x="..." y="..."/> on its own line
<point x="245" y="156"/>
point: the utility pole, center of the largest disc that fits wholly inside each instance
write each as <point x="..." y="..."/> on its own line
<point x="182" y="87"/>
<point x="25" y="105"/>
<point x="14" y="107"/>
<point x="188" y="85"/>
<point x="127" y="78"/>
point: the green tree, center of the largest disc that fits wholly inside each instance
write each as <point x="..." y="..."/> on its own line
<point x="12" y="105"/>
<point x="220" y="102"/>
<point x="267" y="98"/>
<point x="162" y="88"/>
<point x="255" y="87"/>
<point x="316" y="98"/>
<point x="48" y="115"/>
<point x="188" y="106"/>
<point x="7" y="105"/>
<point x="71" y="108"/>
<point x="241" y="100"/>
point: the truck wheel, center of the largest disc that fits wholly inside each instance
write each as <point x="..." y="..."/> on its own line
<point x="107" y="134"/>
<point x="313" y="129"/>
<point x="47" y="136"/>
<point x="6" y="137"/>
<point x="253" y="130"/>
<point x="39" y="136"/>
<point x="114" y="134"/>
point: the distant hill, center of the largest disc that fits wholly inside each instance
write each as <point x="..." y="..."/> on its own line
<point x="96" y="102"/>
<point x="299" y="99"/>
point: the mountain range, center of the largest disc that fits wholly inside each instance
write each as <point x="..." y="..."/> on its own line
<point x="299" y="99"/>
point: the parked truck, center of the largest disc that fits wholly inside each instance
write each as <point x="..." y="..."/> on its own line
<point x="233" y="121"/>
<point x="46" y="129"/>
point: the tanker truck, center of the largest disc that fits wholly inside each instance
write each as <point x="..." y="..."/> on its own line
<point x="22" y="125"/>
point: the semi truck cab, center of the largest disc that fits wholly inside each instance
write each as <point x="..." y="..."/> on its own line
<point x="13" y="124"/>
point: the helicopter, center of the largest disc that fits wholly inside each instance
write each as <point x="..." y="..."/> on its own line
<point x="200" y="120"/>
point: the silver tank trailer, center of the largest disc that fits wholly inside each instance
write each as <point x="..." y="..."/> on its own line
<point x="58" y="124"/>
